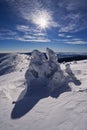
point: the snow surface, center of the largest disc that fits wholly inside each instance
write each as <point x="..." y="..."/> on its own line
<point x="60" y="108"/>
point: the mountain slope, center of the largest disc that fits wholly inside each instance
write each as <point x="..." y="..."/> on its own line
<point x="13" y="62"/>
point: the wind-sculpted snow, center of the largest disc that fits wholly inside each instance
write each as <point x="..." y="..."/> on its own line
<point x="47" y="73"/>
<point x="44" y="78"/>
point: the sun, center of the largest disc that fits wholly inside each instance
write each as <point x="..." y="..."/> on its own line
<point x="42" y="22"/>
<point x="42" y="19"/>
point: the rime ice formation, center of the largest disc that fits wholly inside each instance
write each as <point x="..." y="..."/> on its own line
<point x="51" y="55"/>
<point x="46" y="73"/>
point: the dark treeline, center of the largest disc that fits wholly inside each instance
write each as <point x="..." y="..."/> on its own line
<point x="61" y="58"/>
<point x="72" y="58"/>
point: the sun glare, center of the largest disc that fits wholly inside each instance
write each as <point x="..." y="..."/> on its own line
<point x="42" y="23"/>
<point x="42" y="19"/>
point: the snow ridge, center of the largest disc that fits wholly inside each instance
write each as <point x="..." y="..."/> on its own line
<point x="13" y="62"/>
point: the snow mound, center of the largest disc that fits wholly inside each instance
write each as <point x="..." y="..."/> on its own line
<point x="13" y="62"/>
<point x="47" y="73"/>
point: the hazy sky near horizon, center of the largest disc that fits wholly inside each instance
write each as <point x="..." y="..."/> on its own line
<point x="36" y="24"/>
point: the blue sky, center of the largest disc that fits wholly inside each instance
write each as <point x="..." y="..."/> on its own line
<point x="36" y="24"/>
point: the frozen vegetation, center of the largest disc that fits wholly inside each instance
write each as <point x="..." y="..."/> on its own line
<point x="39" y="93"/>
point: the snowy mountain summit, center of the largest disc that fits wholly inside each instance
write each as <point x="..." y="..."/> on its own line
<point x="41" y="93"/>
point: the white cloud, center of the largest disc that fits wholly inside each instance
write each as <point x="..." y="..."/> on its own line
<point x="23" y="28"/>
<point x="61" y="35"/>
<point x="33" y="39"/>
<point x="76" y="4"/>
<point x="64" y="35"/>
<point x="6" y="38"/>
<point x="68" y="28"/>
<point x="30" y="30"/>
<point x="39" y="34"/>
<point x="76" y="41"/>
<point x="70" y="40"/>
<point x="73" y="13"/>
<point x="7" y="32"/>
<point x="31" y="34"/>
<point x="73" y="17"/>
<point x="72" y="5"/>
<point x="68" y="36"/>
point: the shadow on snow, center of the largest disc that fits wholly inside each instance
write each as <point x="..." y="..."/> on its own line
<point x="33" y="96"/>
